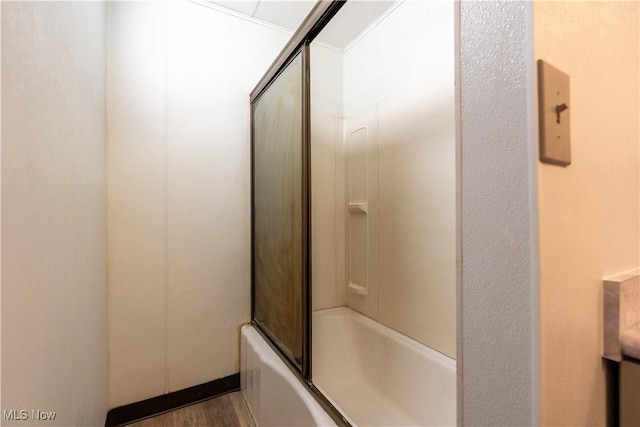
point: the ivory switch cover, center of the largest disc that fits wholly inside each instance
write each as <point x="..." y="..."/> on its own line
<point x="554" y="112"/>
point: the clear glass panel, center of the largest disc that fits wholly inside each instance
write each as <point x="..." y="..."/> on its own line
<point x="278" y="210"/>
<point x="384" y="212"/>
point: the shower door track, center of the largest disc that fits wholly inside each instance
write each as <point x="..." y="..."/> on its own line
<point x="319" y="16"/>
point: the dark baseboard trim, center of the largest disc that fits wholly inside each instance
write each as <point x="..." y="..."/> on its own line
<point x="148" y="408"/>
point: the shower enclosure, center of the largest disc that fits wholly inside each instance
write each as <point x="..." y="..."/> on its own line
<point x="353" y="210"/>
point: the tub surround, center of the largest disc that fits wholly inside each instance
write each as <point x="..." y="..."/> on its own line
<point x="622" y="316"/>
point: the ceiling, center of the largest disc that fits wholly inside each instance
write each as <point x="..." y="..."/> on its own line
<point x="287" y="14"/>
<point x="353" y="18"/>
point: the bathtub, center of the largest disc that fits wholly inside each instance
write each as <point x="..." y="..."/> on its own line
<point x="273" y="393"/>
<point x="374" y="375"/>
<point x="379" y="377"/>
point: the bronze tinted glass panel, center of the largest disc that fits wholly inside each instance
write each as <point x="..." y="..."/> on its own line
<point x="278" y="210"/>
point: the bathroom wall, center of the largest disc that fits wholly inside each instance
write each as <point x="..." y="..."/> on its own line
<point x="399" y="85"/>
<point x="179" y="77"/>
<point x="54" y="278"/>
<point x="498" y="284"/>
<point x="589" y="211"/>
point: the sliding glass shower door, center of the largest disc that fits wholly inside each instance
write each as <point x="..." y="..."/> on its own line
<point x="280" y="212"/>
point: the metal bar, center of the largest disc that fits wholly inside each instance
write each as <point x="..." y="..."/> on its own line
<point x="306" y="213"/>
<point x="252" y="207"/>
<point x="321" y="13"/>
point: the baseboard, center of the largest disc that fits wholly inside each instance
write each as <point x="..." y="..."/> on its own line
<point x="148" y="408"/>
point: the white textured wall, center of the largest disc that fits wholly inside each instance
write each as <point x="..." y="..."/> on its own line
<point x="179" y="77"/>
<point x="54" y="279"/>
<point x="589" y="211"/>
<point x="497" y="306"/>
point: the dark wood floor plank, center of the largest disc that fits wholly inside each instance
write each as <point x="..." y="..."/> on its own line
<point x="229" y="410"/>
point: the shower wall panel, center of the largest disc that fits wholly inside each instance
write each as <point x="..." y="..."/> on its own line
<point x="361" y="184"/>
<point x="178" y="213"/>
<point x="213" y="62"/>
<point x="327" y="170"/>
<point x="417" y="270"/>
<point x="135" y="201"/>
<point x="54" y="265"/>
<point x="326" y="135"/>
<point x="399" y="85"/>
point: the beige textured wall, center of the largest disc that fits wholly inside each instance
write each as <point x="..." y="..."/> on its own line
<point x="589" y="214"/>
<point x="179" y="78"/>
<point x="54" y="275"/>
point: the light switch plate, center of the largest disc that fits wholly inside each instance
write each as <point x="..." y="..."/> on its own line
<point x="554" y="115"/>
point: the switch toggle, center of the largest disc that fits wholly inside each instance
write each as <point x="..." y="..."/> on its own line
<point x="560" y="109"/>
<point x="554" y="115"/>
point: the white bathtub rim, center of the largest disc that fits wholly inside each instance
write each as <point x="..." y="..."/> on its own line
<point x="410" y="343"/>
<point x="335" y="405"/>
<point x="268" y="356"/>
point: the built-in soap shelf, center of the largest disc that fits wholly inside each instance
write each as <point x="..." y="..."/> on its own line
<point x="357" y="289"/>
<point x="361" y="212"/>
<point x="358" y="207"/>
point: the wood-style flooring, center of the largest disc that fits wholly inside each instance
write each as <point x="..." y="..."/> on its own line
<point x="229" y="410"/>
